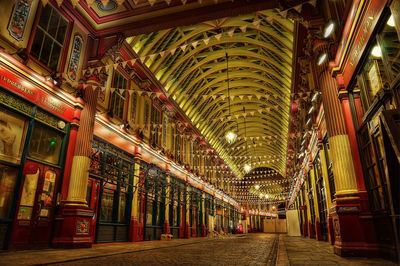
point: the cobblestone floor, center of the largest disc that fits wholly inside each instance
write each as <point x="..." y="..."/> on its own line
<point x="305" y="251"/>
<point x="251" y="249"/>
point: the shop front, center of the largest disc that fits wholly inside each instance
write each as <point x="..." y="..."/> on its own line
<point x="369" y="92"/>
<point x="155" y="187"/>
<point x="176" y="205"/>
<point x="34" y="131"/>
<point x="110" y="191"/>
<point x="370" y="95"/>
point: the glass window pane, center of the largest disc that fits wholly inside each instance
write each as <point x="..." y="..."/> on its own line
<point x="46" y="50"/>
<point x="8" y="177"/>
<point x="62" y="29"/>
<point x="12" y="136"/>
<point x="28" y="196"/>
<point x="52" y="30"/>
<point x="45" y="17"/>
<point x="45" y="144"/>
<point x="391" y="46"/>
<point x="374" y="72"/>
<point x="37" y="43"/>
<point x="122" y="208"/>
<point x="107" y="201"/>
<point x="55" y="55"/>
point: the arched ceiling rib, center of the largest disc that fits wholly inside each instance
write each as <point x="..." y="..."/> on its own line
<point x="190" y="62"/>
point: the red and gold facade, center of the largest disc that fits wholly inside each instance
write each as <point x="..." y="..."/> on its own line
<point x="358" y="85"/>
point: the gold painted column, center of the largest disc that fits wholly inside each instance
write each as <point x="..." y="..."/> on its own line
<point x="352" y="231"/>
<point x="167" y="202"/>
<point x="75" y="219"/>
<point x="135" y="226"/>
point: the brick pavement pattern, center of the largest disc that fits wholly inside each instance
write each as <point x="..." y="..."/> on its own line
<point x="250" y="249"/>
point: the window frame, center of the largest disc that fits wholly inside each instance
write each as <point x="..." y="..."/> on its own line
<point x="64" y="50"/>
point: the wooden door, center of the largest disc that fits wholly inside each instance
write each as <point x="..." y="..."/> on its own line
<point x="35" y="209"/>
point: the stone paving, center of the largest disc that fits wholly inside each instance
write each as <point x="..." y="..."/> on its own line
<point x="250" y="249"/>
<point x="305" y="251"/>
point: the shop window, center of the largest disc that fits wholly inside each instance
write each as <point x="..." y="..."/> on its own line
<point x="49" y="37"/>
<point x="149" y="212"/>
<point x="8" y="178"/>
<point x="12" y="136"/>
<point x="122" y="208"/>
<point x="373" y="76"/>
<point x="107" y="202"/>
<point x="114" y="168"/>
<point x="28" y="196"/>
<point x="390" y="41"/>
<point x="119" y="95"/>
<point x="45" y="144"/>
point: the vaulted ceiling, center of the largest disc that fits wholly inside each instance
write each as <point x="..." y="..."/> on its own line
<point x="191" y="62"/>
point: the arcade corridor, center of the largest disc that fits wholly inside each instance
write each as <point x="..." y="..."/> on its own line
<point x="191" y="127"/>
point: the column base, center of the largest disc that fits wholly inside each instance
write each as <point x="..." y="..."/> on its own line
<point x="181" y="231"/>
<point x="73" y="227"/>
<point x="353" y="227"/>
<point x="167" y="229"/>
<point x="135" y="230"/>
<point x="318" y="235"/>
<point x="310" y="230"/>
<point x="305" y="231"/>
<point x="203" y="230"/>
<point x="187" y="230"/>
<point x="331" y="231"/>
<point x="194" y="231"/>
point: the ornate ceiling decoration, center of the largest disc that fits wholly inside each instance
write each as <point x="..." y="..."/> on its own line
<point x="190" y="62"/>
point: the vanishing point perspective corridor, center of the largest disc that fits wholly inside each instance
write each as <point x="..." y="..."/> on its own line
<point x="200" y="132"/>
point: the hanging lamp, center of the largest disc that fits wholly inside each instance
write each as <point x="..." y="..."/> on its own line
<point x="230" y="135"/>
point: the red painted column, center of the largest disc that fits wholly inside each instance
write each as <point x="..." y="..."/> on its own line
<point x="353" y="232"/>
<point x="73" y="224"/>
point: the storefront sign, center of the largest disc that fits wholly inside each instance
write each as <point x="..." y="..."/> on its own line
<point x="366" y="26"/>
<point x="28" y="91"/>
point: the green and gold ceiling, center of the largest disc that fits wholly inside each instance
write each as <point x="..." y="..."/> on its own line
<point x="190" y="62"/>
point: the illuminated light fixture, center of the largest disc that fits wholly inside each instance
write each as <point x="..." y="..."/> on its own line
<point x="257" y="187"/>
<point x="329" y="29"/>
<point x="311" y="109"/>
<point x="266" y="196"/>
<point x="247" y="168"/>
<point x="322" y="59"/>
<point x="261" y="195"/>
<point x="390" y="21"/>
<point x="314" y="96"/>
<point x="376" y="51"/>
<point x="230" y="137"/>
<point x="308" y="121"/>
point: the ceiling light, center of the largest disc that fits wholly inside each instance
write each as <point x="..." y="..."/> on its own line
<point x="257" y="187"/>
<point x="376" y="51"/>
<point x="261" y="195"/>
<point x="322" y="59"/>
<point x="230" y="137"/>
<point x="311" y="109"/>
<point x="266" y="196"/>
<point x="247" y="169"/>
<point x="391" y="22"/>
<point x="329" y="29"/>
<point x="314" y="96"/>
<point x="308" y="121"/>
